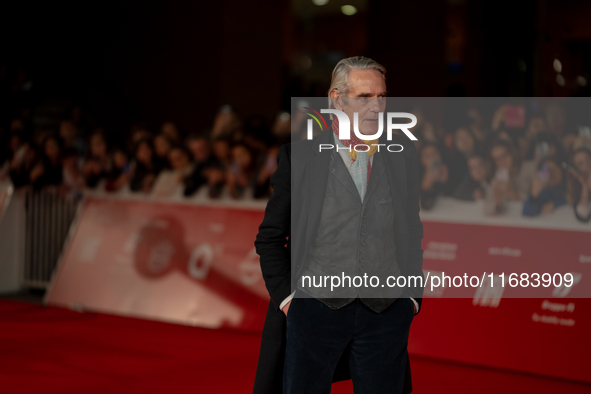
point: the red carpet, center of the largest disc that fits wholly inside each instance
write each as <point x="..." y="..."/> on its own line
<point x="54" y="350"/>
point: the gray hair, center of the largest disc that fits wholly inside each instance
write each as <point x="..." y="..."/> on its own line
<point x="340" y="74"/>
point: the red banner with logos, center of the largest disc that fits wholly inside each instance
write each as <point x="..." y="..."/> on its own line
<point x="491" y="325"/>
<point x="196" y="264"/>
<point x="182" y="263"/>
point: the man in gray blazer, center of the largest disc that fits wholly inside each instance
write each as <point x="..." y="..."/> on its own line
<point x="342" y="212"/>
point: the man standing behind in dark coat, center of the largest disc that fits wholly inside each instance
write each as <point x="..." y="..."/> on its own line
<point x="342" y="212"/>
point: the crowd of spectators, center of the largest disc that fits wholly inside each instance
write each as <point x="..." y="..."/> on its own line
<point x="522" y="155"/>
<point x="528" y="153"/>
<point x="234" y="157"/>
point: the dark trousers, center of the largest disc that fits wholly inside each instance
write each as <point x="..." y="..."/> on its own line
<point x="318" y="335"/>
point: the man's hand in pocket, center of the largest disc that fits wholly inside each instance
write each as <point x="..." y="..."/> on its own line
<point x="286" y="308"/>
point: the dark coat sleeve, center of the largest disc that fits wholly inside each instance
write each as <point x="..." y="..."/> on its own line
<point x="415" y="226"/>
<point x="271" y="240"/>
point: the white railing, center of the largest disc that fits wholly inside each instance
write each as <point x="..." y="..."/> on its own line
<point x="48" y="218"/>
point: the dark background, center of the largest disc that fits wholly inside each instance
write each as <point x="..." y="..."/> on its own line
<point x="131" y="61"/>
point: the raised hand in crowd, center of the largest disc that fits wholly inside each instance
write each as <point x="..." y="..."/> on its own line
<point x="547" y="191"/>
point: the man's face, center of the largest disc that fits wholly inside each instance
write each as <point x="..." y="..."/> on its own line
<point x="367" y="97"/>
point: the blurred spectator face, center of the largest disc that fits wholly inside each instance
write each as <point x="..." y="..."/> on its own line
<point x="98" y="146"/>
<point x="161" y="145"/>
<point x="476" y="123"/>
<point x="428" y="133"/>
<point x="241" y="156"/>
<point x="143" y="153"/>
<point x="119" y="159"/>
<point x="51" y="149"/>
<point x="221" y="150"/>
<point x="199" y="147"/>
<point x="178" y="159"/>
<point x="535" y="125"/>
<point x="501" y="157"/>
<point x="67" y="130"/>
<point x="475" y="117"/>
<point x="477" y="168"/>
<point x="170" y="130"/>
<point x="270" y="164"/>
<point x="430" y="155"/>
<point x="582" y="162"/>
<point x="464" y="142"/>
<point x="226" y="122"/>
<point x="138" y="134"/>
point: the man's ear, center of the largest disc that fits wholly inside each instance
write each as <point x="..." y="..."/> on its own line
<point x="336" y="99"/>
